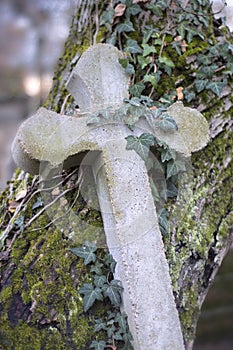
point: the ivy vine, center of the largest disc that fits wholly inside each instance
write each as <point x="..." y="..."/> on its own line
<point x="104" y="288"/>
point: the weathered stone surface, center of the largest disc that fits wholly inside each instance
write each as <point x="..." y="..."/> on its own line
<point x="98" y="80"/>
<point x="126" y="202"/>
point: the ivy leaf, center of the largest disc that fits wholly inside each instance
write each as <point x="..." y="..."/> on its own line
<point x="124" y="62"/>
<point x="214" y="50"/>
<point x="127" y="337"/>
<point x="137" y="89"/>
<point x="165" y="60"/>
<point x="200" y="84"/>
<point x="38" y="203"/>
<point x="110" y="262"/>
<point x="133" y="10"/>
<point x="121" y="320"/>
<point x="191" y="33"/>
<point x="140" y="145"/>
<point x="163" y="221"/>
<point x="19" y="223"/>
<point x="132" y="46"/>
<point x="216" y="86"/>
<point x="99" y="325"/>
<point x="90" y="295"/>
<point x="157" y="11"/>
<point x="204" y="59"/>
<point x="118" y="336"/>
<point x="86" y="252"/>
<point x="126" y="26"/>
<point x="113" y="292"/>
<point x="107" y="16"/>
<point x="154" y="190"/>
<point x="167" y="124"/>
<point x="130" y="69"/>
<point x="168" y="154"/>
<point x="148" y="49"/>
<point x="134" y="101"/>
<point x="177" y="46"/>
<point x="99" y="281"/>
<point x="151" y="78"/>
<point x="133" y="115"/>
<point x="172" y="190"/>
<point x="93" y="119"/>
<point x="97" y="268"/>
<point x="174" y="167"/>
<point x="209" y="70"/>
<point x="182" y="29"/>
<point x="98" y="345"/>
<point x="189" y="95"/>
<point x="143" y="61"/>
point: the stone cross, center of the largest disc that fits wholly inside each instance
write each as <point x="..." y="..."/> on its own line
<point x="129" y="215"/>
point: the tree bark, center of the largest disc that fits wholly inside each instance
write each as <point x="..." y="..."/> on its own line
<point x="40" y="306"/>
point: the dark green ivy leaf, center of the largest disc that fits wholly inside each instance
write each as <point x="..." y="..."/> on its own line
<point x="132" y="46"/>
<point x="168" y="154"/>
<point x="200" y="84"/>
<point x="165" y="60"/>
<point x="98" y="345"/>
<point x="19" y="223"/>
<point x="189" y="95"/>
<point x="216" y="86"/>
<point x="133" y="10"/>
<point x="86" y="252"/>
<point x="143" y="61"/>
<point x="91" y="294"/>
<point x="97" y="268"/>
<point x="191" y="33"/>
<point x="113" y="292"/>
<point x="137" y="89"/>
<point x="163" y="221"/>
<point x="167" y="124"/>
<point x="154" y="190"/>
<point x="209" y="71"/>
<point x="124" y="62"/>
<point x="157" y="11"/>
<point x="121" y="320"/>
<point x="141" y="144"/>
<point x="151" y="78"/>
<point x="172" y="190"/>
<point x="99" y="325"/>
<point x="148" y="49"/>
<point x="93" y="119"/>
<point x="130" y="69"/>
<point x="107" y="16"/>
<point x="174" y="167"/>
<point x="99" y="281"/>
<point x="126" y="26"/>
<point x="110" y="262"/>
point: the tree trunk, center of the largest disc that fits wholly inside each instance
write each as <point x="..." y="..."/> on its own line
<point x="192" y="61"/>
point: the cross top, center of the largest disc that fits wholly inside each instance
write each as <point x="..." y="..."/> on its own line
<point x="127" y="207"/>
<point x="98" y="79"/>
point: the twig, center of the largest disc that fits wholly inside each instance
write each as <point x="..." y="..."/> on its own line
<point x="96" y="22"/>
<point x="162" y="45"/>
<point x="64" y="104"/>
<point x="46" y="207"/>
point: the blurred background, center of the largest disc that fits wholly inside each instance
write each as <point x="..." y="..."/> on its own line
<point x="32" y="35"/>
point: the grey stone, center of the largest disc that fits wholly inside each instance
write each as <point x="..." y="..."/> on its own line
<point x="125" y="198"/>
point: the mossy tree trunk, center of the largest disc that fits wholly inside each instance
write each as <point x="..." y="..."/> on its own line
<point x="176" y="53"/>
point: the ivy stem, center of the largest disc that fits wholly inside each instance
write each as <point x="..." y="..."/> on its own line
<point x="162" y="45"/>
